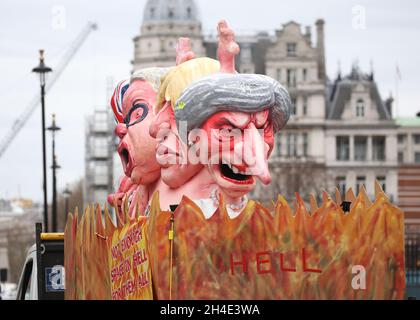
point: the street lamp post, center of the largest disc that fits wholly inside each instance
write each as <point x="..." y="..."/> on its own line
<point x="42" y="70"/>
<point x="54" y="128"/>
<point x="66" y="193"/>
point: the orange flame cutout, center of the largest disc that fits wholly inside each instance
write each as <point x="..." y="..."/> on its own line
<point x="263" y="254"/>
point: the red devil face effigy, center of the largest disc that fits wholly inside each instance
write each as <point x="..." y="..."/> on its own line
<point x="237" y="115"/>
<point x="239" y="144"/>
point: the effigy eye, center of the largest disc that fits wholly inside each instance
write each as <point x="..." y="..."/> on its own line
<point x="140" y="112"/>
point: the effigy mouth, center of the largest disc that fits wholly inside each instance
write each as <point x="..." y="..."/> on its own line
<point x="125" y="160"/>
<point x="233" y="174"/>
<point x="125" y="157"/>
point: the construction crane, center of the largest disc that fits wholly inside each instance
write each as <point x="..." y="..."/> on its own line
<point x="20" y="122"/>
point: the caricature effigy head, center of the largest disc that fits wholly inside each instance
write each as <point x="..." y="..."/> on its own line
<point x="171" y="151"/>
<point x="133" y="105"/>
<point x="238" y="115"/>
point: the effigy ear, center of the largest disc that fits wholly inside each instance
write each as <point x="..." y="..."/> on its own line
<point x="183" y="51"/>
<point x="227" y="49"/>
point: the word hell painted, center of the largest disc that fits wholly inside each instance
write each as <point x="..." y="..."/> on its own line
<point x="270" y="262"/>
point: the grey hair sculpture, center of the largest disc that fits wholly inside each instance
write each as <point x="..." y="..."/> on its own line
<point x="233" y="92"/>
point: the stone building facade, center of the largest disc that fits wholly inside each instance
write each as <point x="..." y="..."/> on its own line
<point x="361" y="135"/>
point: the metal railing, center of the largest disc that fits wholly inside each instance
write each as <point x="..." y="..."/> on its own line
<point x="412" y="260"/>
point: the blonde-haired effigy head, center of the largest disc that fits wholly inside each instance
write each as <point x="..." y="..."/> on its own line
<point x="180" y="77"/>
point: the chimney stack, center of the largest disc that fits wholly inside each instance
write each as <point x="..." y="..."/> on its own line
<point x="308" y="34"/>
<point x="321" y="48"/>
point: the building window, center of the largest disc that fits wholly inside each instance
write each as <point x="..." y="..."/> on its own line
<point x="341" y="184"/>
<point x="382" y="182"/>
<point x="401" y="138"/>
<point x="416" y="138"/>
<point x="343" y="148"/>
<point x="152" y="12"/>
<point x="378" y="148"/>
<point x="100" y="147"/>
<point x="360" y="109"/>
<point x="101" y="174"/>
<point x="291" y="78"/>
<point x="246" y="53"/>
<point x="400" y="157"/>
<point x="360" y="181"/>
<point x="305" y="144"/>
<point x="171" y="13"/>
<point x="100" y="122"/>
<point x="360" y="148"/>
<point x="278" y="145"/>
<point x="291" y="49"/>
<point x="101" y="117"/>
<point x="305" y="106"/>
<point x="189" y="12"/>
<point x="305" y="75"/>
<point x="293" y="111"/>
<point x="279" y="74"/>
<point x="417" y="157"/>
<point x="291" y="144"/>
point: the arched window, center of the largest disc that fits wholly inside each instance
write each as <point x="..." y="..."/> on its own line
<point x="360" y="108"/>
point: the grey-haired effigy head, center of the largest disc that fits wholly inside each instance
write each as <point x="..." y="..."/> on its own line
<point x="151" y="75"/>
<point x="233" y="92"/>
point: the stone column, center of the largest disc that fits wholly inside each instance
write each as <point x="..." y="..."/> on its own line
<point x="369" y="149"/>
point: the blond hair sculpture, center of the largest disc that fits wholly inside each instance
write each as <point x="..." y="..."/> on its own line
<point x="181" y="76"/>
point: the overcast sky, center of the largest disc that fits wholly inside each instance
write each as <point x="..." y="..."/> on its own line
<point x="389" y="37"/>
